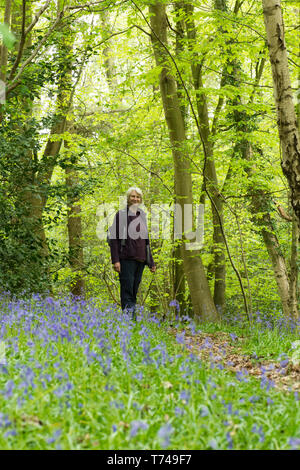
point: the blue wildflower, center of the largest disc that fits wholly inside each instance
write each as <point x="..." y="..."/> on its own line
<point x="253" y="399"/>
<point x="11" y="432"/>
<point x="204" y="411"/>
<point x="136" y="426"/>
<point x="179" y="411"/>
<point x="259" y="431"/>
<point x="175" y="303"/>
<point x="229" y="440"/>
<point x="180" y="337"/>
<point x="233" y="336"/>
<point x="294" y="442"/>
<point x="54" y="437"/>
<point x="164" y="434"/>
<point x="185" y="395"/>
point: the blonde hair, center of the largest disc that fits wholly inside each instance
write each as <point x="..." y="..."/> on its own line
<point x="137" y="190"/>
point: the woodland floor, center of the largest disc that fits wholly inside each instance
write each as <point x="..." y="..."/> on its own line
<point x="215" y="348"/>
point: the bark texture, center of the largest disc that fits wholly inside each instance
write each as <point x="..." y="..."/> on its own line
<point x="202" y="302"/>
<point x="3" y="61"/>
<point x="74" y="224"/>
<point x="283" y="93"/>
<point x="210" y="174"/>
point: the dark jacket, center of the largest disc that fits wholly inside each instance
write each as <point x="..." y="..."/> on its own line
<point x="129" y="237"/>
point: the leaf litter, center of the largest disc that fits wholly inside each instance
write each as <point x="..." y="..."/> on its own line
<point x="216" y="348"/>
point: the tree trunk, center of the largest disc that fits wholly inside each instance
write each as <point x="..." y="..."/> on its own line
<point x="109" y="62"/>
<point x="210" y="174"/>
<point x="3" y="62"/>
<point x="259" y="205"/>
<point x="283" y="93"/>
<point x="293" y="284"/>
<point x="178" y="269"/>
<point x="203" y="306"/>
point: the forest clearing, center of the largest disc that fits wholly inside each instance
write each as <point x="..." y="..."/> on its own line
<point x="150" y="216"/>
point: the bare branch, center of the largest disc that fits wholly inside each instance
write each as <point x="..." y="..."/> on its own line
<point x="147" y="169"/>
<point x="35" y="52"/>
<point x="282" y="212"/>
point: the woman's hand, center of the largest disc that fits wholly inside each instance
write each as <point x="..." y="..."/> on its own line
<point x="153" y="269"/>
<point x="117" y="267"/>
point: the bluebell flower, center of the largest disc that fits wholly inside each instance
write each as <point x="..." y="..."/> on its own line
<point x="294" y="442"/>
<point x="233" y="336"/>
<point x="109" y="388"/>
<point x="284" y="363"/>
<point x="253" y="398"/>
<point x="179" y="411"/>
<point x="4" y="421"/>
<point x="259" y="431"/>
<point x="185" y="395"/>
<point x="241" y="375"/>
<point x="266" y="383"/>
<point x="229" y="440"/>
<point x="137" y="406"/>
<point x="204" y="411"/>
<point x="54" y="437"/>
<point x="138" y="376"/>
<point x="10" y="385"/>
<point x="136" y="426"/>
<point x="175" y="303"/>
<point x="11" y="432"/>
<point x="213" y="444"/>
<point x="180" y="338"/>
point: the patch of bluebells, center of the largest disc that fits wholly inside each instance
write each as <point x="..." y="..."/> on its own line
<point x="96" y="334"/>
<point x="265" y="321"/>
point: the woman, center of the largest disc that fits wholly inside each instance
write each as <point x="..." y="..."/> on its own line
<point x="130" y="248"/>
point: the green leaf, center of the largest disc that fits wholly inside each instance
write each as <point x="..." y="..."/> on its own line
<point x="8" y="37"/>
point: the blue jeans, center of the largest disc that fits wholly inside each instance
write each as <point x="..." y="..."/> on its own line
<point x="130" y="278"/>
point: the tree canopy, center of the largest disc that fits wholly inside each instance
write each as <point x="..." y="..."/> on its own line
<point x="176" y="98"/>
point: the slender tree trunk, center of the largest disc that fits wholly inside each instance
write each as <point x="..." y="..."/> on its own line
<point x="293" y="284"/>
<point x="27" y="198"/>
<point x="75" y="237"/>
<point x="259" y="206"/>
<point x="35" y="189"/>
<point x="3" y="62"/>
<point x="219" y="267"/>
<point x="283" y="93"/>
<point x="260" y="203"/>
<point x="179" y="275"/>
<point x="154" y="294"/>
<point x="109" y="62"/>
<point x="203" y="306"/>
